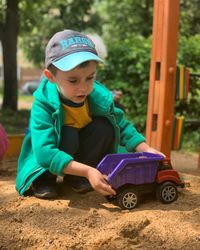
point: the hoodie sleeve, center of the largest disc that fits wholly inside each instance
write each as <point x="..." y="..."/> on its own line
<point x="129" y="136"/>
<point x="45" y="139"/>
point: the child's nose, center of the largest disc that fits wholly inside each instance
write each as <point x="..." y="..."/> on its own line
<point x="84" y="86"/>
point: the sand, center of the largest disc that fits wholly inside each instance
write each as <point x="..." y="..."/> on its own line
<point x="88" y="221"/>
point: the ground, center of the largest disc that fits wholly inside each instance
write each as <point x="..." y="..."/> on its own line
<point x="88" y="222"/>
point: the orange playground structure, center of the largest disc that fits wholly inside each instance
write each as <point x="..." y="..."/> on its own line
<point x="162" y="85"/>
<point x="167" y="80"/>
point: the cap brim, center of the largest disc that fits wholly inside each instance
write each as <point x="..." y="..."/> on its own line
<point x="71" y="61"/>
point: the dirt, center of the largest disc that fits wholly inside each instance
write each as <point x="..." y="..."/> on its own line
<point x="88" y="221"/>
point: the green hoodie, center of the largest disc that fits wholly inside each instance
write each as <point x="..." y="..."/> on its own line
<point x="40" y="150"/>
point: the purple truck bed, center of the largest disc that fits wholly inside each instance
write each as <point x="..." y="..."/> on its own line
<point x="131" y="168"/>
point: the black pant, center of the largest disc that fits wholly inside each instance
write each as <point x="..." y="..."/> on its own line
<point x="87" y="145"/>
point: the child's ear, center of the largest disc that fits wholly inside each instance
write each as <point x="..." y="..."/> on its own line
<point x="49" y="75"/>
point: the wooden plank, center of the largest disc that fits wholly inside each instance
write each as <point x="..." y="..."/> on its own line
<point x="162" y="88"/>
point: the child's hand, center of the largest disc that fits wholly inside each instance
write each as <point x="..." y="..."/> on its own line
<point x="96" y="179"/>
<point x="144" y="147"/>
<point x="99" y="183"/>
<point x="154" y="151"/>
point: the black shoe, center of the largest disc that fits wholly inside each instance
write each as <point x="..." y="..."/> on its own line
<point x="82" y="188"/>
<point x="44" y="186"/>
<point x="78" y="184"/>
<point x="45" y="191"/>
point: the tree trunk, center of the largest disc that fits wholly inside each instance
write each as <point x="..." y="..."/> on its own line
<point x="9" y="45"/>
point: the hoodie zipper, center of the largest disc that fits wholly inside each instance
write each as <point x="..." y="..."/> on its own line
<point x="56" y="115"/>
<point x="27" y="178"/>
<point x="55" y="125"/>
<point x="37" y="170"/>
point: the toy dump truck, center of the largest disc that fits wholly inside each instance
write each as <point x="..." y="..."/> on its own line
<point x="134" y="174"/>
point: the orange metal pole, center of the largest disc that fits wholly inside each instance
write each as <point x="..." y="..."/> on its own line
<point x="163" y="75"/>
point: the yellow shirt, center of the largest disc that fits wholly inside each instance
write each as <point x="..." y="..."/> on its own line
<point x="77" y="117"/>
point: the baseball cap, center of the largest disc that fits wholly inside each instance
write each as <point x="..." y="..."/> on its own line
<point x="68" y="49"/>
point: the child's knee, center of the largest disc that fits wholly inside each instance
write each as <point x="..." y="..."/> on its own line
<point x="104" y="127"/>
<point x="69" y="142"/>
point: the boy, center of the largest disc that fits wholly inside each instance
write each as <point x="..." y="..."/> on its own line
<point x="73" y="123"/>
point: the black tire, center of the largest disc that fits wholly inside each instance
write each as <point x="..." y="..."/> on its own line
<point x="128" y="198"/>
<point x="112" y="199"/>
<point x="167" y="192"/>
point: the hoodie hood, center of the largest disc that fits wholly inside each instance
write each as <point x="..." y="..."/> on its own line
<point x="47" y="93"/>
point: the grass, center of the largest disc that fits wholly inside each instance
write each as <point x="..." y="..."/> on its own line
<point x="16" y="122"/>
<point x="22" y="97"/>
<point x="191" y="141"/>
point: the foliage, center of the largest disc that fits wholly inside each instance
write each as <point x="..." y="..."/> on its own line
<point x="126" y="20"/>
<point x="2" y="11"/>
<point x="191" y="141"/>
<point x="46" y="20"/>
<point x="127" y="69"/>
<point x="189" y="51"/>
<point x="121" y="19"/>
<point x="189" y="18"/>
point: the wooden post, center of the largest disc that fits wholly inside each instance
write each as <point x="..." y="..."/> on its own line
<point x="163" y="75"/>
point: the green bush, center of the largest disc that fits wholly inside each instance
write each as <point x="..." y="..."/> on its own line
<point x="127" y="69"/>
<point x="191" y="141"/>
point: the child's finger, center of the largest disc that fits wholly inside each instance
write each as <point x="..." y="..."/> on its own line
<point x="108" y="185"/>
<point x="105" y="177"/>
<point x="107" y="189"/>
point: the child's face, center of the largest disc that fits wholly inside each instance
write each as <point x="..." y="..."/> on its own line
<point x="77" y="83"/>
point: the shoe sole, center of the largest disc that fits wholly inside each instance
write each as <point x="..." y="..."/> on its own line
<point x="46" y="195"/>
<point x="82" y="191"/>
